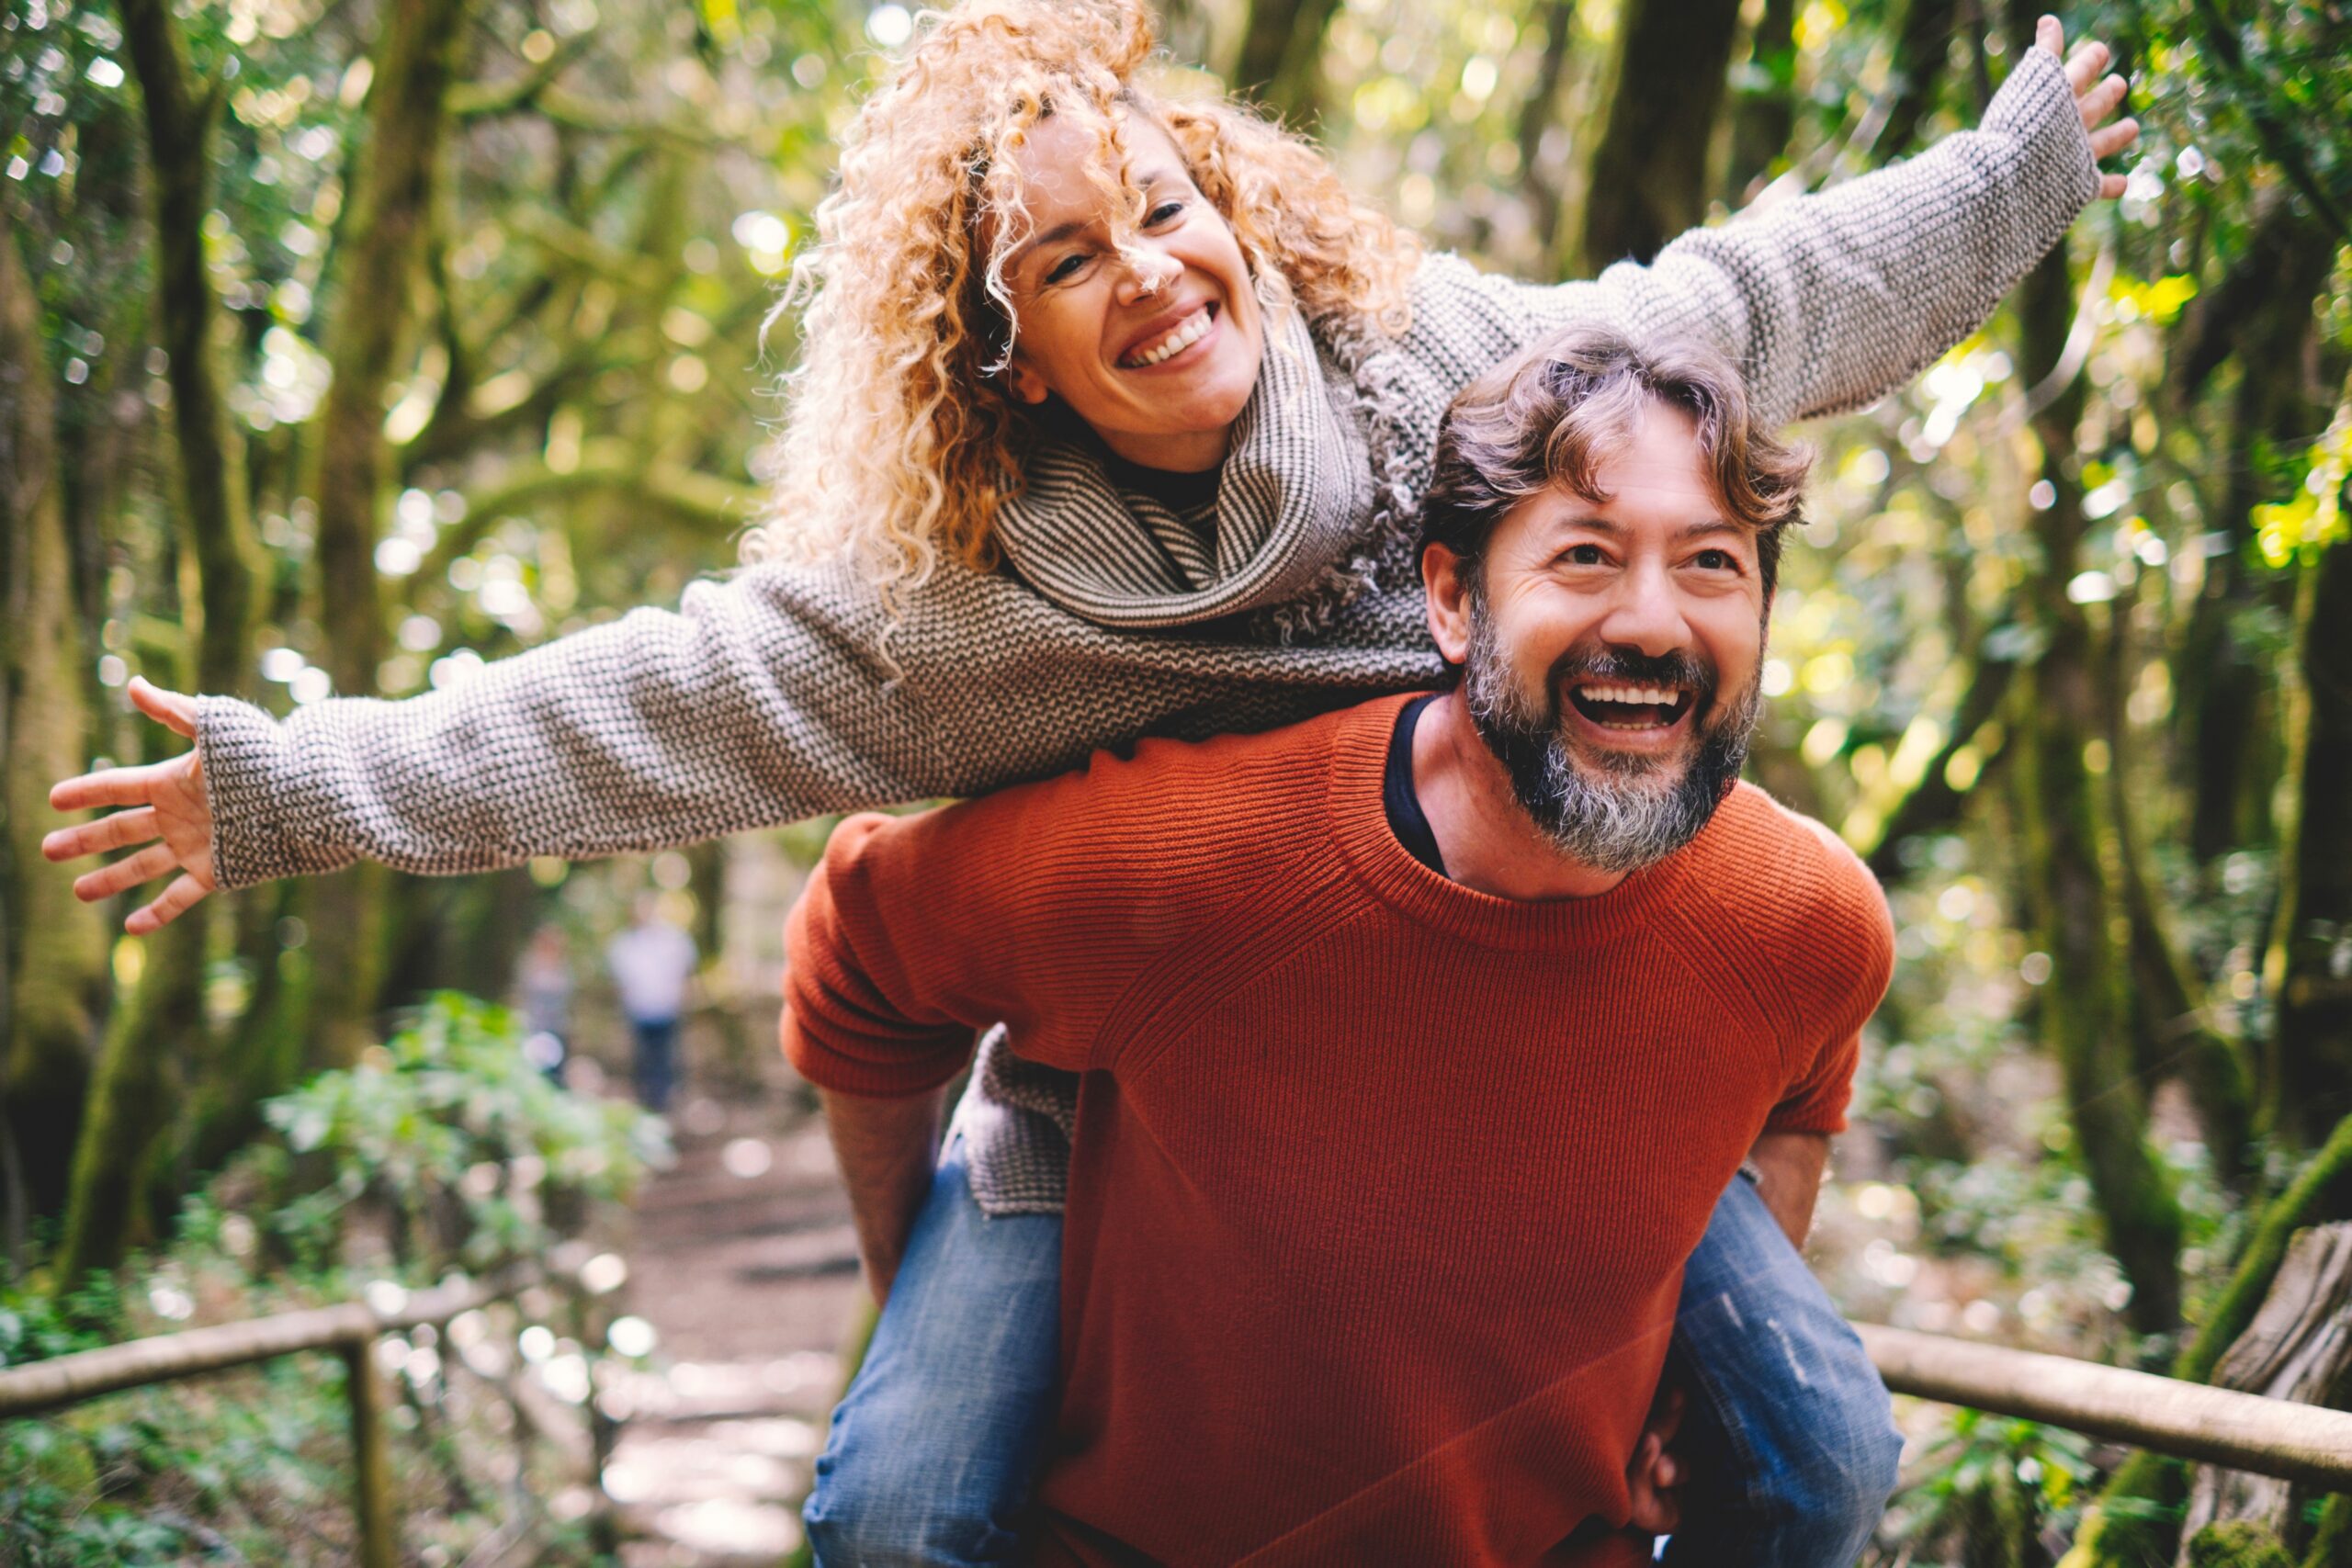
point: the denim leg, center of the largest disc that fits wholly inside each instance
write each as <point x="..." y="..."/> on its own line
<point x="1789" y="1427"/>
<point x="656" y="1046"/>
<point x="934" y="1448"/>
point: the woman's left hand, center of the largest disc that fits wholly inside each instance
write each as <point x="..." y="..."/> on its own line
<point x="2097" y="96"/>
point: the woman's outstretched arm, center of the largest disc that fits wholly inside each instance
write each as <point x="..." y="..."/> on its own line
<point x="1829" y="301"/>
<point x="763" y="700"/>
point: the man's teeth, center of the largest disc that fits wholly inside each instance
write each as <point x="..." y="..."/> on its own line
<point x="1658" y="694"/>
<point x="1190" y="330"/>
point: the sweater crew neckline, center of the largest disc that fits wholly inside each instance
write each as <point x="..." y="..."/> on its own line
<point x="1357" y="809"/>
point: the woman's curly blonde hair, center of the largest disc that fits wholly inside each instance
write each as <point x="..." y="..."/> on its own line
<point x="899" y="443"/>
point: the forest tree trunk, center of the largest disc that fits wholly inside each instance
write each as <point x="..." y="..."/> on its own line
<point x="2262" y="315"/>
<point x="2127" y="1525"/>
<point x="52" y="946"/>
<point x="1539" y="177"/>
<point x="368" y="339"/>
<point x="1922" y="51"/>
<point x="2310" y="965"/>
<point x="1282" y="53"/>
<point x="1649" y="173"/>
<point x="1765" y="110"/>
<point x="123" y="1161"/>
<point x="2068" y="841"/>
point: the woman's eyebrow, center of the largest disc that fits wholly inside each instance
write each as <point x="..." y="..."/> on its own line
<point x="1058" y="233"/>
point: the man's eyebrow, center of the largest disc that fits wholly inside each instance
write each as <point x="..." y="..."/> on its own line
<point x="1698" y="530"/>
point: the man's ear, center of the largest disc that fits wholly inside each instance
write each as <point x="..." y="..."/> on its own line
<point x="1445" y="577"/>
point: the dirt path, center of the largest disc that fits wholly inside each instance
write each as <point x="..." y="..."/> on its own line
<point x="745" y="1263"/>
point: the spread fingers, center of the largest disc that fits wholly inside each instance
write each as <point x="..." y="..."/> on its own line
<point x="2109" y="140"/>
<point x="175" y="901"/>
<point x="127" y="872"/>
<point x="2089" y="60"/>
<point x="124" y="827"/>
<point x="114" y="786"/>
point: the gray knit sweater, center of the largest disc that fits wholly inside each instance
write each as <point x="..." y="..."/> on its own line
<point x="765" y="698"/>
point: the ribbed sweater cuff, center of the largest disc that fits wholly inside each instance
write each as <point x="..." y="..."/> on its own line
<point x="245" y="756"/>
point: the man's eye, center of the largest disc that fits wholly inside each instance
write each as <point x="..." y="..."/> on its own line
<point x="1584" y="554"/>
<point x="1717" y="561"/>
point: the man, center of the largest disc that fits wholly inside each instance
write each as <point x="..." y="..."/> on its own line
<point x="1420" y="1039"/>
<point x="652" y="963"/>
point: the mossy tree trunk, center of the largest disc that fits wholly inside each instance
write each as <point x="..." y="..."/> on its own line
<point x="2133" y="1524"/>
<point x="2310" y="965"/>
<point x="2072" y="855"/>
<point x="127" y="1159"/>
<point x="2261" y="316"/>
<point x="1922" y="53"/>
<point x="1649" y="173"/>
<point x="1765" y="108"/>
<point x="1282" y="53"/>
<point x="52" y="946"/>
<point x="380" y="255"/>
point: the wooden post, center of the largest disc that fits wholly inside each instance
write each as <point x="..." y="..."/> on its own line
<point x="370" y="1458"/>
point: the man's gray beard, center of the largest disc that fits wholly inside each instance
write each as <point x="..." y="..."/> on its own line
<point x="1610" y="816"/>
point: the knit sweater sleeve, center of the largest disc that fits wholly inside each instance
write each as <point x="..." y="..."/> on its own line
<point x="1839" y="957"/>
<point x="1828" y="301"/>
<point x="763" y="699"/>
<point x="915" y="933"/>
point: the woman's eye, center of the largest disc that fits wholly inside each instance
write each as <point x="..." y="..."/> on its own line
<point x="1164" y="212"/>
<point x="1584" y="554"/>
<point x="1717" y="561"/>
<point x="1065" y="268"/>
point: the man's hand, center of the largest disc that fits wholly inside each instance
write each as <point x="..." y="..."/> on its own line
<point x="170" y="814"/>
<point x="1654" y="1474"/>
<point x="2096" y="97"/>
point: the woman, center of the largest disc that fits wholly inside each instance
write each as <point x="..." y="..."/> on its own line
<point x="1112" y="417"/>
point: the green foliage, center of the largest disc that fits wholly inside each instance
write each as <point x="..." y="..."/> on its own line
<point x="1997" y="1489"/>
<point x="2239" y="1543"/>
<point x="444" y="1143"/>
<point x="479" y="1159"/>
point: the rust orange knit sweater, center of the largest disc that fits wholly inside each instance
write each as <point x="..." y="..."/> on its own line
<point x="1381" y="1186"/>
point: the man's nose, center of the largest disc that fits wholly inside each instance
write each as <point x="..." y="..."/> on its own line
<point x="1147" y="270"/>
<point x="1646" y="614"/>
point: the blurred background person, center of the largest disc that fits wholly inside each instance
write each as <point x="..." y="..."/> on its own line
<point x="544" y="985"/>
<point x="652" y="963"/>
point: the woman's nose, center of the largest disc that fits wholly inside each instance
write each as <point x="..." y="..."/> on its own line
<point x="1149" y="271"/>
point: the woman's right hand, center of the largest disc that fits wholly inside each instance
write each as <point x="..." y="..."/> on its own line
<point x="170" y="814"/>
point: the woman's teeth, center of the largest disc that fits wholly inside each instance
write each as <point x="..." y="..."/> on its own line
<point x="1190" y="330"/>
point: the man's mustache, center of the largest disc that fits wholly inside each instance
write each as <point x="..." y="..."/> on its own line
<point x="1634" y="667"/>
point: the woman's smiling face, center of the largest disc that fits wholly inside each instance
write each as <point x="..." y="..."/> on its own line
<point x="1154" y="347"/>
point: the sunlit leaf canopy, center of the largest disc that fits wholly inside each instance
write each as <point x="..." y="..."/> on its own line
<point x="2062" y="650"/>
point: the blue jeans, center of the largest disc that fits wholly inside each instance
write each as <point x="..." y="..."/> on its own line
<point x="656" y="1063"/>
<point x="934" y="1448"/>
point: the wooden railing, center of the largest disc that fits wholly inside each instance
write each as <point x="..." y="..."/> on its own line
<point x="2239" y="1431"/>
<point x="2187" y="1420"/>
<point x="349" y="1329"/>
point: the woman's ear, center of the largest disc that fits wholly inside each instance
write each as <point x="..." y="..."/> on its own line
<point x="1026" y="385"/>
<point x="1445" y="577"/>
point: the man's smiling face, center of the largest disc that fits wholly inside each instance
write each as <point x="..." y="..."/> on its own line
<point x="1613" y="648"/>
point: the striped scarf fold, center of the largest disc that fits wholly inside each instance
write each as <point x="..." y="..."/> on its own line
<point x="1295" y="500"/>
